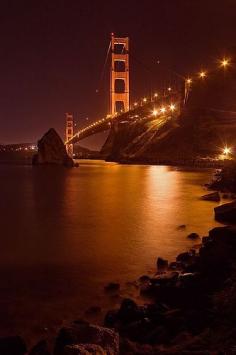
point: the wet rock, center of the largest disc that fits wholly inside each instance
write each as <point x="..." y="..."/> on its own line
<point x="12" y="345"/>
<point x="184" y="257"/>
<point x="81" y="332"/>
<point x="164" y="279"/>
<point x="52" y="151"/>
<point x="111" y="318"/>
<point x="181" y="227"/>
<point x="162" y="264"/>
<point x="40" y="349"/>
<point x="144" y="279"/>
<point x="226" y="213"/>
<point x="174" y="265"/>
<point x="136" y="330"/>
<point x="85" y="349"/>
<point x="214" y="196"/>
<point x="112" y="286"/>
<point x="193" y="236"/>
<point x="129" y="311"/>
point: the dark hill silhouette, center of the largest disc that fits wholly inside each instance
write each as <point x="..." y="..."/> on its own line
<point x="206" y="124"/>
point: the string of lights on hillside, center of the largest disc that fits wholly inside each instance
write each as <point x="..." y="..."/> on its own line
<point x="163" y="109"/>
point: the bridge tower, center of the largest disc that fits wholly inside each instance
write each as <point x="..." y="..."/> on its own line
<point x="69" y="133"/>
<point x="119" y="76"/>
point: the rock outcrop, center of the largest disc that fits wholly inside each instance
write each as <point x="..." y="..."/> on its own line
<point x="214" y="196"/>
<point x="192" y="309"/>
<point x="225" y="179"/>
<point x="193" y="137"/>
<point x="81" y="336"/>
<point x="226" y="213"/>
<point x="52" y="151"/>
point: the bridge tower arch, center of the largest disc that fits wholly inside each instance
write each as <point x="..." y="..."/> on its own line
<point x="69" y="133"/>
<point x="119" y="76"/>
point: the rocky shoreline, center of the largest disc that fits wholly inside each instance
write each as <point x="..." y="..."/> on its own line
<point x="190" y="308"/>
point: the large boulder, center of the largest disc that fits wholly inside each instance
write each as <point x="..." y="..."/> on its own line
<point x="226" y="213"/>
<point x="81" y="332"/>
<point x="52" y="151"/>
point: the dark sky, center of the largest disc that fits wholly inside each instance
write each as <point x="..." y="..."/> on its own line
<point x="52" y="54"/>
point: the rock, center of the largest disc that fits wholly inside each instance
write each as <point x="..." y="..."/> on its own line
<point x="40" y="349"/>
<point x="81" y="332"/>
<point x="166" y="278"/>
<point x="226" y="213"/>
<point x="85" y="349"/>
<point x="111" y="318"/>
<point x="52" y="151"/>
<point x="129" y="311"/>
<point x="214" y="196"/>
<point x="184" y="257"/>
<point x="112" y="286"/>
<point x="174" y="265"/>
<point x="12" y="345"/>
<point x="162" y="264"/>
<point x="144" y="279"/>
<point x="181" y="227"/>
<point x="193" y="236"/>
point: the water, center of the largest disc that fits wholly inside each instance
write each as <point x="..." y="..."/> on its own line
<point x="65" y="233"/>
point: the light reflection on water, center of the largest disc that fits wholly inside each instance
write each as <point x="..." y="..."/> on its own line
<point x="67" y="232"/>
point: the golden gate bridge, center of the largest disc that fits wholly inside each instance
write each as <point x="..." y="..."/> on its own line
<point x="158" y="107"/>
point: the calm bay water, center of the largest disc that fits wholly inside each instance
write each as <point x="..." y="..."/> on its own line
<point x="65" y="233"/>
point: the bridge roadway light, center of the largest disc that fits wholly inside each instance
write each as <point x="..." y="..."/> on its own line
<point x="227" y="151"/>
<point x="224" y="62"/>
<point x="169" y="89"/>
<point x="202" y="74"/>
<point x="172" y="107"/>
<point x="162" y="109"/>
<point x="189" y="81"/>
<point x="154" y="112"/>
<point x="156" y="94"/>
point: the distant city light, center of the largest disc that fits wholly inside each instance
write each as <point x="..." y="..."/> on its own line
<point x="144" y="99"/>
<point x="135" y="104"/>
<point x="169" y="89"/>
<point x="156" y="94"/>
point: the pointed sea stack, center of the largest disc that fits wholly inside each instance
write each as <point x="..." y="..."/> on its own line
<point x="52" y="151"/>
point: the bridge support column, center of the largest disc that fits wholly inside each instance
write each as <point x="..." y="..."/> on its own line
<point x="69" y="133"/>
<point x="119" y="78"/>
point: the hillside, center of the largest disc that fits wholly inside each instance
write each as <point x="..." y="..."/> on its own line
<point x="199" y="133"/>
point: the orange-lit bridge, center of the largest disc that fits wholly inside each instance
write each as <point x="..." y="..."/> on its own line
<point x="148" y="109"/>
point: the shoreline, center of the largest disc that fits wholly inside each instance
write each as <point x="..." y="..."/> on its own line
<point x="177" y="318"/>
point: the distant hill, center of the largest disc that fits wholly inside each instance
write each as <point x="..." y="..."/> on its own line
<point x="85" y="153"/>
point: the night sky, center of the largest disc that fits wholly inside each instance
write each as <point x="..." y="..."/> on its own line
<point x="52" y="55"/>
